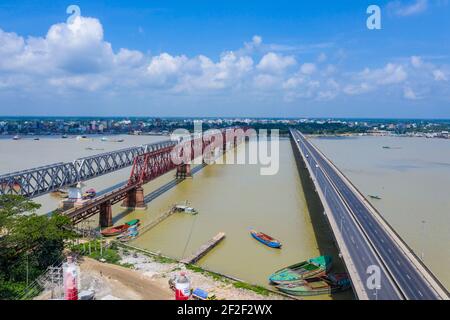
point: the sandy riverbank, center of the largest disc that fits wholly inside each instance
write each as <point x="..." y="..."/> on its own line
<point x="144" y="277"/>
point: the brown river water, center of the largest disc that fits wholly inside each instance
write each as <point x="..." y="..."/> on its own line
<point x="235" y="198"/>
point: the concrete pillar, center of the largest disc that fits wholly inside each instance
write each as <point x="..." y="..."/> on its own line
<point x="130" y="200"/>
<point x="183" y="171"/>
<point x="105" y="218"/>
<point x="135" y="199"/>
<point x="139" y="203"/>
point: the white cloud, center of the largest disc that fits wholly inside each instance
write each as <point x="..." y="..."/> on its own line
<point x="308" y="68"/>
<point x="409" y="94"/>
<point x="439" y="75"/>
<point x="390" y="74"/>
<point x="322" y="57"/>
<point x="408" y="9"/>
<point x="165" y="66"/>
<point x="202" y="73"/>
<point x="75" y="57"/>
<point x="275" y="63"/>
<point x="416" y="61"/>
<point x="255" y="44"/>
<point x="256" y="40"/>
<point x="353" y="89"/>
<point x="266" y="81"/>
<point x="293" y="82"/>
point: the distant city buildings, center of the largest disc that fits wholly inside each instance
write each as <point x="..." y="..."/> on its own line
<point x="147" y="125"/>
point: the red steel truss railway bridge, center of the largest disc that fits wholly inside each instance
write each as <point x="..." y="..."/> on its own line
<point x="148" y="162"/>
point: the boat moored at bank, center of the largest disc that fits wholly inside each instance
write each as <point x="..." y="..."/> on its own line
<point x="314" y="267"/>
<point x="327" y="284"/>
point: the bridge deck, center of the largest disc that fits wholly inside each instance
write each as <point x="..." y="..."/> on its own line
<point x="364" y="238"/>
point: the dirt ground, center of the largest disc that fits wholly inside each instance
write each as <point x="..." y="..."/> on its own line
<point x="148" y="279"/>
<point x="111" y="281"/>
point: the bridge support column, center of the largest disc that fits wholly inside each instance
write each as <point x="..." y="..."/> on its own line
<point x="140" y="202"/>
<point x="135" y="199"/>
<point x="184" y="171"/>
<point x="105" y="216"/>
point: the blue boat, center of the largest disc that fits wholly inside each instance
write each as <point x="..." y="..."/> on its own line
<point x="265" y="239"/>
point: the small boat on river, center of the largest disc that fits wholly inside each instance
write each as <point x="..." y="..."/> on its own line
<point x="114" y="231"/>
<point x="314" y="267"/>
<point x="266" y="239"/>
<point x="328" y="284"/>
<point x="129" y="234"/>
<point x="374" y="197"/>
<point x="184" y="208"/>
<point x="133" y="222"/>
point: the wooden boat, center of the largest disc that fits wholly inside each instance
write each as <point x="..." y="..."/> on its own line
<point x="319" y="285"/>
<point x="114" y="231"/>
<point x="265" y="239"/>
<point x="314" y="267"/>
<point x="131" y="233"/>
<point x="133" y="222"/>
<point x="128" y="236"/>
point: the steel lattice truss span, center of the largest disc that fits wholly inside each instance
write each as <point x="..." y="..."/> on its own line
<point x="152" y="164"/>
<point x="38" y="181"/>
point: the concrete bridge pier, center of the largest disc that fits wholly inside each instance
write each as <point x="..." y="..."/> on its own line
<point x="105" y="216"/>
<point x="135" y="199"/>
<point x="183" y="171"/>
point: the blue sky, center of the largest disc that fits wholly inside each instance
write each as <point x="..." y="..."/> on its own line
<point x="225" y="58"/>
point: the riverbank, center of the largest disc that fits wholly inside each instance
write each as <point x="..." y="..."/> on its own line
<point x="122" y="273"/>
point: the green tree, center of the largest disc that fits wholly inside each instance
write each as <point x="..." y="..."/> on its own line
<point x="29" y="243"/>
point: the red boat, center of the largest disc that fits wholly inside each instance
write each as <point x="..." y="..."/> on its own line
<point x="114" y="231"/>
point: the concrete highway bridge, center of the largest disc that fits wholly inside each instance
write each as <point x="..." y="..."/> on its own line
<point x="379" y="262"/>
